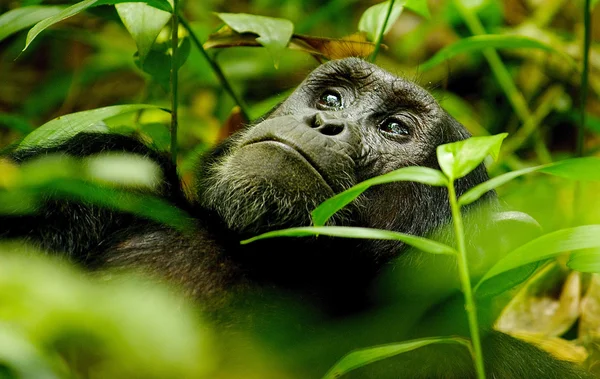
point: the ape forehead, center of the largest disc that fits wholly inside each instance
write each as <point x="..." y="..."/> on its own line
<point x="369" y="77"/>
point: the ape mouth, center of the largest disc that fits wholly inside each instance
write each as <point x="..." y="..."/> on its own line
<point x="299" y="153"/>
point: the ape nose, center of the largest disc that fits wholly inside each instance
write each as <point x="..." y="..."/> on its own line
<point x="326" y="124"/>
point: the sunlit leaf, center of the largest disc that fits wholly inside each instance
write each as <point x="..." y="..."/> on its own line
<point x="69" y="125"/>
<point x="21" y="18"/>
<point x="123" y="169"/>
<point x="144" y="23"/>
<point x="479" y="43"/>
<point x="372" y="20"/>
<point x="419" y="7"/>
<point x="273" y="33"/>
<point x="412" y="174"/>
<point x="457" y="159"/>
<point x="585" y="261"/>
<point x="363" y="357"/>
<point x="421" y="243"/>
<point x="547" y="246"/>
<point x="78" y="8"/>
<point x="587" y="168"/>
<point x="64" y="14"/>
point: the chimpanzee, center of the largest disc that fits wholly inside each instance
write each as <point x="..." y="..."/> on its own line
<point x="347" y="122"/>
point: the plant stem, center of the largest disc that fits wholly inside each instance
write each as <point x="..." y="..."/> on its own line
<point x="174" y="78"/>
<point x="584" y="74"/>
<point x="381" y="32"/>
<point x="465" y="280"/>
<point x="216" y="69"/>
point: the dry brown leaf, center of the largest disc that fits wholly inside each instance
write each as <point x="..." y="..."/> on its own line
<point x="558" y="347"/>
<point x="355" y="45"/>
<point x="548" y="304"/>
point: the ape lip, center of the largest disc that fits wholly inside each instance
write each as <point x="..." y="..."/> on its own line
<point x="302" y="154"/>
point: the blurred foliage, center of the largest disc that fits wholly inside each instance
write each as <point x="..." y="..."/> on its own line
<point x="56" y="323"/>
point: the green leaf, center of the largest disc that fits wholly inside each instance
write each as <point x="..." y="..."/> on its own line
<point x="479" y="43"/>
<point x="421" y="243"/>
<point x="363" y="357"/>
<point x="273" y="33"/>
<point x="585" y="261"/>
<point x="419" y="7"/>
<point x="587" y="168"/>
<point x="457" y="159"/>
<point x="547" y="246"/>
<point x="413" y="174"/>
<point x="64" y="14"/>
<point x="163" y="5"/>
<point x="577" y="168"/>
<point x="69" y="125"/>
<point x="146" y="206"/>
<point x="80" y="7"/>
<point x="372" y="20"/>
<point x="158" y="62"/>
<point x="21" y="18"/>
<point x="144" y="23"/>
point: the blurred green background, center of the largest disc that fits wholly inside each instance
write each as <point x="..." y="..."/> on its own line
<point x="54" y="322"/>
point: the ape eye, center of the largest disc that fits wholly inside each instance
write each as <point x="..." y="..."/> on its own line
<point x="395" y="127"/>
<point x="330" y="99"/>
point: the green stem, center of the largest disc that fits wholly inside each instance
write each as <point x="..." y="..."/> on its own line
<point x="216" y="69"/>
<point x="381" y="32"/>
<point x="584" y="74"/>
<point x="174" y="78"/>
<point x="465" y="280"/>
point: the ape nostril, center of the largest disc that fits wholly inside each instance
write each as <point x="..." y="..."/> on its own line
<point x="326" y="126"/>
<point x="331" y="129"/>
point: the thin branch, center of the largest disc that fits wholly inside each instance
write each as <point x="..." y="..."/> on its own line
<point x="381" y="32"/>
<point x="174" y="78"/>
<point x="216" y="69"/>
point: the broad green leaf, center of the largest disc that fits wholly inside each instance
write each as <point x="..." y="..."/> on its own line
<point x="371" y="22"/>
<point x="80" y="7"/>
<point x="578" y="169"/>
<point x="67" y="126"/>
<point x="412" y="174"/>
<point x="144" y="23"/>
<point x="457" y="159"/>
<point x="547" y="246"/>
<point x="479" y="43"/>
<point x="585" y="261"/>
<point x="587" y="168"/>
<point x="21" y="18"/>
<point x="419" y="7"/>
<point x="363" y="357"/>
<point x="273" y="33"/>
<point x="421" y="243"/>
<point x="593" y="4"/>
<point x="64" y="14"/>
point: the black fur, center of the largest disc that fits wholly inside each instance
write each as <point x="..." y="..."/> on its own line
<point x="271" y="176"/>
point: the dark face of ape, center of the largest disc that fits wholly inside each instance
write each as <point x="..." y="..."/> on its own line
<point x="347" y="122"/>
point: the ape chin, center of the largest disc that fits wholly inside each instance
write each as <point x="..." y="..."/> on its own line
<point x="347" y="122"/>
